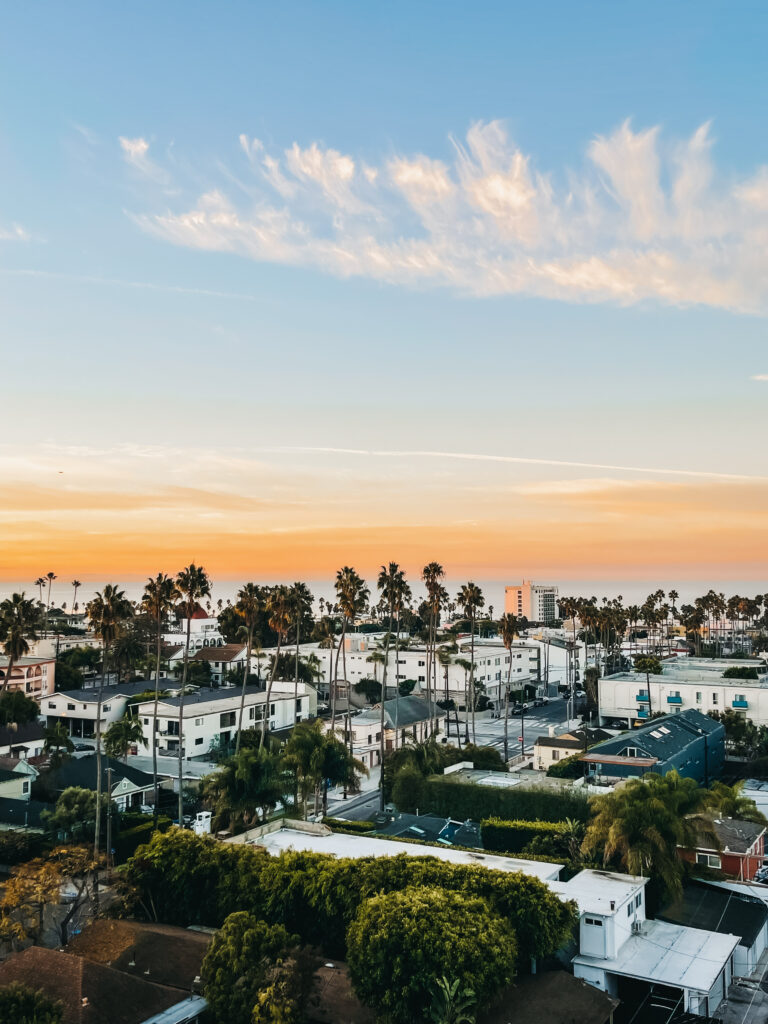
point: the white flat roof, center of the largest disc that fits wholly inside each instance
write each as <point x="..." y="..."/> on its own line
<point x="670" y="955"/>
<point x="593" y="890"/>
<point x="342" y="845"/>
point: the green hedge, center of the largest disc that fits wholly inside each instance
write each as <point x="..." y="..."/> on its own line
<point x="183" y="879"/>
<point x="352" y="827"/>
<point x="571" y="767"/>
<point x="130" y="839"/>
<point x="513" y="836"/>
<point x="462" y="800"/>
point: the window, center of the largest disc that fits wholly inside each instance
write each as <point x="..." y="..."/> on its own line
<point x="198" y="721"/>
<point x="664" y="729"/>
<point x="71" y="707"/>
<point x="714" y="698"/>
<point x="710" y="860"/>
<point x="740" y="696"/>
<point x="271" y="709"/>
<point x="630" y="752"/>
<point x="227" y="718"/>
<point x="593" y="921"/>
<point x="25" y="787"/>
<point x="638" y="899"/>
<point x="298" y="704"/>
<point x="51" y="703"/>
<point x="422" y="679"/>
<point x="629" y="909"/>
<point x="107" y="707"/>
<point x="198" y="741"/>
<point x="698" y="696"/>
<point x="422" y="664"/>
<point x="145" y="721"/>
<point x="555" y="755"/>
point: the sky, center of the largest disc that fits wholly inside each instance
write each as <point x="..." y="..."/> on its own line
<point x="287" y="287"/>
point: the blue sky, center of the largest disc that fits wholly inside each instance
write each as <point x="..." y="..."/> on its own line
<point x="588" y="279"/>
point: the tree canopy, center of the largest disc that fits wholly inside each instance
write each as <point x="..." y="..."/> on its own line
<point x="24" y="1005"/>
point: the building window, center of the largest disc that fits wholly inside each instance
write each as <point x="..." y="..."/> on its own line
<point x="146" y="721"/>
<point x="638" y="899"/>
<point x="271" y="709"/>
<point x="71" y="707"/>
<point x="198" y="741"/>
<point x="630" y="752"/>
<point x="593" y="921"/>
<point x="227" y="718"/>
<point x="698" y="696"/>
<point x="51" y="703"/>
<point x="629" y="909"/>
<point x="25" y="787"/>
<point x="710" y="860"/>
<point x="107" y="707"/>
<point x="714" y="698"/>
<point x="555" y="755"/>
<point x="740" y="696"/>
<point x="198" y="721"/>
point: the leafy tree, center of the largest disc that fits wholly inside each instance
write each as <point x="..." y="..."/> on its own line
<point x="371" y="688"/>
<point x="24" y="1005"/>
<point x="740" y="672"/>
<point x="405" y="687"/>
<point x="75" y="812"/>
<point x="58" y="743"/>
<point x="237" y="965"/>
<point x="68" y="677"/>
<point x="29" y="890"/>
<point x="122" y="735"/>
<point x="400" y="942"/>
<point x="408" y="789"/>
<point x="16" y="707"/>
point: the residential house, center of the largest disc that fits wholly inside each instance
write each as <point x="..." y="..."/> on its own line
<point x="211" y="716"/>
<point x="548" y="750"/>
<point x="409" y="717"/>
<point x="716" y="909"/>
<point x="34" y="677"/>
<point x="223" y="659"/>
<point x="690" y="743"/>
<point x="91" y="993"/>
<point x="16" y="778"/>
<point x="737" y="848"/>
<point x="77" y="710"/>
<point x="203" y="631"/>
<point x="684" y="684"/>
<point x="128" y="786"/>
<point x="22" y="741"/>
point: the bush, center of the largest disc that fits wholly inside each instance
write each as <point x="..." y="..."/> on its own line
<point x="183" y="879"/>
<point x="569" y="768"/>
<point x="408" y="789"/>
<point x="352" y="827"/>
<point x="514" y="836"/>
<point x="740" y="672"/>
<point x="130" y="839"/>
<point x="24" y="1005"/>
<point x="461" y="800"/>
<point x="18" y="847"/>
<point x="400" y="942"/>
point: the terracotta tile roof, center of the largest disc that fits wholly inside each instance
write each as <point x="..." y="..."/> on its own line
<point x="227" y="652"/>
<point x="174" y="955"/>
<point x="90" y="993"/>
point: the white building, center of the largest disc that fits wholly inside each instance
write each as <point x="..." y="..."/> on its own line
<point x="223" y="659"/>
<point x="203" y="632"/>
<point x="562" y="660"/>
<point x="34" y="677"/>
<point x="77" y="709"/>
<point x="686" y="683"/>
<point x="537" y="602"/>
<point x="210" y="716"/>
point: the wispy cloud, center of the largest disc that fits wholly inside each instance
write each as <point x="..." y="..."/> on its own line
<point x="760" y="376"/>
<point x="136" y="153"/>
<point x="640" y="219"/>
<point x="14" y="233"/>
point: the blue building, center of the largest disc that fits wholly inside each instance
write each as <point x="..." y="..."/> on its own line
<point x="688" y="742"/>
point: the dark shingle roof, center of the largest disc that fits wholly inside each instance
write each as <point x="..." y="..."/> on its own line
<point x="22" y="813"/>
<point x="11" y="737"/>
<point x="409" y="711"/>
<point x="81" y="771"/>
<point x="737" y="836"/>
<point x="718" y="910"/>
<point x="109" y="995"/>
<point x="661" y="738"/>
<point x="91" y="694"/>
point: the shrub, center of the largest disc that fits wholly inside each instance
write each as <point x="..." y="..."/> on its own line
<point x="130" y="839"/>
<point x="453" y="799"/>
<point x="400" y="942"/>
<point x="180" y="878"/>
<point x="24" y="1005"/>
<point x="514" y="836"/>
<point x="17" y="847"/>
<point x="408" y="789"/>
<point x="740" y="672"/>
<point x="569" y="768"/>
<point x="352" y="827"/>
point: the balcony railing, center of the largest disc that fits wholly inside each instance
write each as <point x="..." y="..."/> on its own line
<point x="643" y="698"/>
<point x="739" y="704"/>
<point x="674" y="700"/>
<point x="642" y="713"/>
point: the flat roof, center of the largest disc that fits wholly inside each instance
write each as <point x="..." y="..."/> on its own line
<point x="339" y="844"/>
<point x="593" y="890"/>
<point x="669" y="954"/>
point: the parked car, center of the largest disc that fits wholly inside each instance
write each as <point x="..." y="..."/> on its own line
<point x="80" y="747"/>
<point x="518" y="709"/>
<point x="539" y="702"/>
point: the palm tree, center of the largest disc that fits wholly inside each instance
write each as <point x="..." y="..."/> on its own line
<point x="57" y="739"/>
<point x="301" y="600"/>
<point x="121" y="736"/>
<point x="193" y="584"/>
<point x="19" y="619"/>
<point x="508" y="630"/>
<point x="279" y="611"/>
<point x="76" y="584"/>
<point x="471" y="599"/>
<point x="160" y="598"/>
<point x="353" y="599"/>
<point x="390" y="582"/>
<point x="730" y="802"/>
<point x="50" y="577"/>
<point x="375" y="658"/>
<point x="246" y="788"/>
<point x="249" y="606"/>
<point x="431" y="576"/>
<point x="105" y="612"/>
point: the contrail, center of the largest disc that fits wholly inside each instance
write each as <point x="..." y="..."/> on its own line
<point x="516" y="459"/>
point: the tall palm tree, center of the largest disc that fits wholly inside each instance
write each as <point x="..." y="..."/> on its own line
<point x="19" y="620"/>
<point x="471" y="600"/>
<point x="279" y="611"/>
<point x="193" y="584"/>
<point x="50" y="577"/>
<point x="250" y="604"/>
<point x="301" y="599"/>
<point x="121" y="735"/>
<point x="105" y="612"/>
<point x="508" y="630"/>
<point x="159" y="599"/>
<point x="76" y="584"/>
<point x="390" y="582"/>
<point x="431" y="576"/>
<point x="353" y="599"/>
<point x="730" y="802"/>
<point x="40" y="582"/>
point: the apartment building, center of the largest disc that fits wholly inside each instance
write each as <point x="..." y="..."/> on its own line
<point x="34" y="677"/>
<point x="537" y="602"/>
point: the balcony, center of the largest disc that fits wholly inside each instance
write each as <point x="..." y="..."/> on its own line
<point x="739" y="704"/>
<point x="642" y="713"/>
<point x="643" y="699"/>
<point x="674" y="700"/>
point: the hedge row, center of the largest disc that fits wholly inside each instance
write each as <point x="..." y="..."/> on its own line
<point x="183" y="879"/>
<point x="352" y="827"/>
<point x="513" y="836"/>
<point x="129" y="840"/>
<point x="462" y="800"/>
